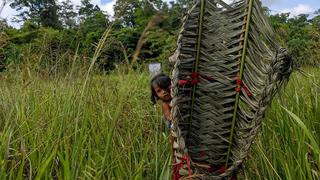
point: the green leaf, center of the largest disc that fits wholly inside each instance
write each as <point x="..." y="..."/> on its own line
<point x="307" y="132"/>
<point x="46" y="164"/>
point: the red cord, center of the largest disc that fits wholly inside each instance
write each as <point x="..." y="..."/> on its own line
<point x="177" y="167"/>
<point x="195" y="79"/>
<point x="240" y="85"/>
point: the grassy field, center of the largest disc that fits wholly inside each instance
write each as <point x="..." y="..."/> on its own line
<point x="68" y="128"/>
<point x="106" y="127"/>
<point x="288" y="146"/>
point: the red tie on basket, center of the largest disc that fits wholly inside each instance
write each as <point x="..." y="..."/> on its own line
<point x="177" y="167"/>
<point x="195" y="79"/>
<point x="240" y="85"/>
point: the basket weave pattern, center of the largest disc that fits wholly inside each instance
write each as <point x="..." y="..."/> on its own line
<point x="228" y="68"/>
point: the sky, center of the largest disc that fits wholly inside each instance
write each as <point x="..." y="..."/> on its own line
<point x="295" y="7"/>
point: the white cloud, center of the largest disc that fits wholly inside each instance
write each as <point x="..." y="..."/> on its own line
<point x="108" y="7"/>
<point x="8" y="13"/>
<point x="299" y="9"/>
<point x="270" y="2"/>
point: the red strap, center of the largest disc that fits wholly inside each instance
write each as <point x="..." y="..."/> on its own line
<point x="222" y="169"/>
<point x="183" y="82"/>
<point x="177" y="167"/>
<point x="188" y="165"/>
<point x="195" y="79"/>
<point x="239" y="82"/>
<point x="175" y="172"/>
<point x="240" y="85"/>
<point x="238" y="89"/>
<point x="247" y="91"/>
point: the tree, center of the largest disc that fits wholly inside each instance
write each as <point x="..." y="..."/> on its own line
<point x="91" y="30"/>
<point x="67" y="14"/>
<point x="97" y="22"/>
<point x="279" y="18"/>
<point x="124" y="11"/>
<point x="184" y="5"/>
<point x="300" y="20"/>
<point x="87" y="9"/>
<point x="316" y="20"/>
<point x="42" y="12"/>
<point x="3" y="25"/>
<point x="49" y="15"/>
<point x="93" y="22"/>
<point x="175" y="14"/>
<point x="146" y="11"/>
<point x="3" y="42"/>
<point x="280" y="25"/>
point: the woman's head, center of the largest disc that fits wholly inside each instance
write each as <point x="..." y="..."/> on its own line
<point x="160" y="88"/>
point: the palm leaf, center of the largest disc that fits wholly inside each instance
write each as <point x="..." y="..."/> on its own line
<point x="231" y="68"/>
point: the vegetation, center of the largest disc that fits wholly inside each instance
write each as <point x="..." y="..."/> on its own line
<point x="288" y="145"/>
<point x="56" y="128"/>
<point x="70" y="30"/>
<point x="301" y="35"/>
<point x="53" y="127"/>
<point x="79" y="29"/>
<point x="61" y="120"/>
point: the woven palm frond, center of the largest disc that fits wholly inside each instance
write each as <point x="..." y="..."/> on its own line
<point x="228" y="68"/>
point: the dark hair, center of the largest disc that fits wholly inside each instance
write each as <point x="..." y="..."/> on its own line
<point x="163" y="81"/>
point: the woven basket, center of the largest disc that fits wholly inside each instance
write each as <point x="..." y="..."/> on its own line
<point x="227" y="70"/>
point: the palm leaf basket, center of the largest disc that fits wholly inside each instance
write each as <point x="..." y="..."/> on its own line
<point x="228" y="68"/>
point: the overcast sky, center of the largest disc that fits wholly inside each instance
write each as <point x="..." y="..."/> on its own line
<point x="295" y="7"/>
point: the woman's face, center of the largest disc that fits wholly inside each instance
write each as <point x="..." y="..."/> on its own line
<point x="162" y="93"/>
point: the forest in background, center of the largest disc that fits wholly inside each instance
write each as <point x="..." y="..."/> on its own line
<point x="53" y="35"/>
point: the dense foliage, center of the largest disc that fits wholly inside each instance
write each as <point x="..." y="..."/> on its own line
<point x="79" y="29"/>
<point x="53" y="33"/>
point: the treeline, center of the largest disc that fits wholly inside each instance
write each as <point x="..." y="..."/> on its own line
<point x="54" y="35"/>
<point x="300" y="34"/>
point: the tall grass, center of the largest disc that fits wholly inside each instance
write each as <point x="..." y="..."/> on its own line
<point x="49" y="130"/>
<point x="288" y="146"/>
